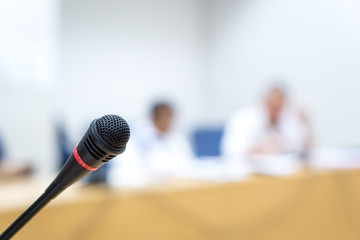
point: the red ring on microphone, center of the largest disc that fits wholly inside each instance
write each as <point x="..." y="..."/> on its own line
<point x="81" y="162"/>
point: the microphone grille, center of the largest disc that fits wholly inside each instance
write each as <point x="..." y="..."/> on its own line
<point x="114" y="130"/>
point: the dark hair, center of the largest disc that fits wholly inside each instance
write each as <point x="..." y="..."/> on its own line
<point x="160" y="107"/>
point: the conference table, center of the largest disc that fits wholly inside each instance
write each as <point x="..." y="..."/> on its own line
<point x="308" y="205"/>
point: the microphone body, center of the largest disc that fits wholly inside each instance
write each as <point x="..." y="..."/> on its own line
<point x="89" y="155"/>
<point x="105" y="139"/>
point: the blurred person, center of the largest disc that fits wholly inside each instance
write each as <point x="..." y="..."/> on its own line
<point x="269" y="128"/>
<point x="155" y="151"/>
<point x="8" y="171"/>
<point x="165" y="149"/>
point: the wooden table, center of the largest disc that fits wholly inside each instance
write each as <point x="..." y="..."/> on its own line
<point x="309" y="205"/>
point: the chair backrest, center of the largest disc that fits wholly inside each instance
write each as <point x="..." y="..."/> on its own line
<point x="206" y="141"/>
<point x="1" y="149"/>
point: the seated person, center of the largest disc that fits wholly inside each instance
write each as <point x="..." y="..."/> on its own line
<point x="155" y="150"/>
<point x="272" y="127"/>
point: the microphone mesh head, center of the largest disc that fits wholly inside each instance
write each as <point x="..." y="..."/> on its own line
<point x="114" y="130"/>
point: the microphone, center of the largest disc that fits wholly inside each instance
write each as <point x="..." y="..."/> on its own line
<point x="105" y="139"/>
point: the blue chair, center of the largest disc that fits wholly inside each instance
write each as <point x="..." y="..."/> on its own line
<point x="1" y="149"/>
<point x="206" y="141"/>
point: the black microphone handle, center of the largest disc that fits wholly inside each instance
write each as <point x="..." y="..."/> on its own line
<point x="27" y="215"/>
<point x="70" y="173"/>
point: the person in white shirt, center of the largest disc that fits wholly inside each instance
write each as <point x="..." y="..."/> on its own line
<point x="155" y="152"/>
<point x="165" y="150"/>
<point x="272" y="127"/>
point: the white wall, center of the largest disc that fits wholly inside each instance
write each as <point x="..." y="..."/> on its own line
<point x="28" y="63"/>
<point x="28" y="43"/>
<point x="118" y="56"/>
<point x="312" y="44"/>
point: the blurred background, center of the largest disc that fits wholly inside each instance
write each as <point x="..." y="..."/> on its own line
<point x="64" y="63"/>
<point x="71" y="61"/>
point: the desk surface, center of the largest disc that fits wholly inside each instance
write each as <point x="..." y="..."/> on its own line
<point x="308" y="205"/>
